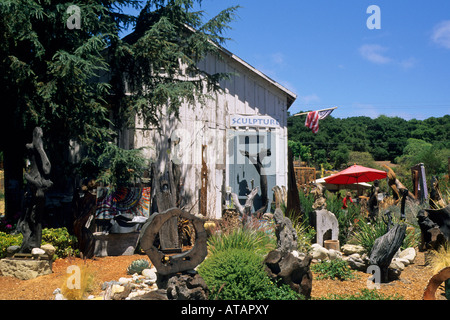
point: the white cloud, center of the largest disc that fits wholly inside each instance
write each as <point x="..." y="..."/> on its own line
<point x="374" y="53"/>
<point x="408" y="63"/>
<point x="278" y="59"/>
<point x="441" y="34"/>
<point x="311" y="98"/>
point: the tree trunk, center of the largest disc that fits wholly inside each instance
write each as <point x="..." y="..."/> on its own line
<point x="293" y="200"/>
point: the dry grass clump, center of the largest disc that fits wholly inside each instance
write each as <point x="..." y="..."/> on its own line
<point x="440" y="259"/>
<point x="78" y="282"/>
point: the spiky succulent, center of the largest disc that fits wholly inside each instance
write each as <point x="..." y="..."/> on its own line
<point x="137" y="266"/>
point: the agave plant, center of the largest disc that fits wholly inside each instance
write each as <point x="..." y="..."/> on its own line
<point x="137" y="266"/>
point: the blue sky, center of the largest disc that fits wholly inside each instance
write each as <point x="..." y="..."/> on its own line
<point x="323" y="51"/>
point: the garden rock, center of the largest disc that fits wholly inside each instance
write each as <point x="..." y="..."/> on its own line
<point x="49" y="250"/>
<point x="25" y="269"/>
<point x="124" y="281"/>
<point x="334" y="254"/>
<point x="11" y="250"/>
<point x="358" y="262"/>
<point x="349" y="249"/>
<point x="37" y="252"/>
<point x="150" y="275"/>
<point x="408" y="254"/>
<point x="318" y="252"/>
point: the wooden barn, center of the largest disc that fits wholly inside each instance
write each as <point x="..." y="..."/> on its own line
<point x="214" y="145"/>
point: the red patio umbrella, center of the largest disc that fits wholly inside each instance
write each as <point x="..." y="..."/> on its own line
<point x="355" y="174"/>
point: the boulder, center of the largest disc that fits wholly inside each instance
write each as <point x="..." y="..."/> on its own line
<point x="349" y="249"/>
<point x="150" y="275"/>
<point x="397" y="264"/>
<point x="358" y="262"/>
<point x="408" y="254"/>
<point x="11" y="250"/>
<point x="37" y="252"/>
<point x="25" y="269"/>
<point x="334" y="254"/>
<point x="49" y="250"/>
<point x="318" y="252"/>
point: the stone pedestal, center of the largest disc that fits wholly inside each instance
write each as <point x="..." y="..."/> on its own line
<point x="115" y="244"/>
<point x="327" y="226"/>
<point x="25" y="269"/>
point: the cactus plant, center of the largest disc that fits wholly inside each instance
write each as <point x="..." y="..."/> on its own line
<point x="137" y="266"/>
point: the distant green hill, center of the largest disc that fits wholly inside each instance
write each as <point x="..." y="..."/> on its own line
<point x="385" y="138"/>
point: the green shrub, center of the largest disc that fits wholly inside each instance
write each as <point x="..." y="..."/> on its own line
<point x="412" y="239"/>
<point x="257" y="240"/>
<point x="347" y="219"/>
<point x="238" y="274"/>
<point x="7" y="240"/>
<point x="367" y="233"/>
<point x="364" y="294"/>
<point x="60" y="238"/>
<point x="333" y="269"/>
<point x="63" y="242"/>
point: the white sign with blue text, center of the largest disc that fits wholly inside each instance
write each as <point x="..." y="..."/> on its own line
<point x="254" y="121"/>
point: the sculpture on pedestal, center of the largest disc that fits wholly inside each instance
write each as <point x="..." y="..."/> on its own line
<point x="30" y="223"/>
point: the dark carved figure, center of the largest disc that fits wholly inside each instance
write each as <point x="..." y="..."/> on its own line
<point x="435" y="200"/>
<point x="164" y="186"/>
<point x="282" y="265"/>
<point x="285" y="233"/>
<point x="292" y="271"/>
<point x="83" y="209"/>
<point x="165" y="264"/>
<point x="442" y="218"/>
<point x="373" y="201"/>
<point x="431" y="235"/>
<point x="30" y="223"/>
<point x="256" y="160"/>
<point x="385" y="247"/>
<point x="187" y="287"/>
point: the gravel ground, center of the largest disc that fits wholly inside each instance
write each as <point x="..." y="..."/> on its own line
<point x="410" y="286"/>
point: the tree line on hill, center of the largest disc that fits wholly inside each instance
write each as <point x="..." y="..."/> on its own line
<point x="341" y="142"/>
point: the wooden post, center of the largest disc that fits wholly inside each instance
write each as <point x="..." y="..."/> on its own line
<point x="204" y="187"/>
<point x="165" y="198"/>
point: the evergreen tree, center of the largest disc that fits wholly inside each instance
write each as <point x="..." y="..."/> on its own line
<point x="69" y="80"/>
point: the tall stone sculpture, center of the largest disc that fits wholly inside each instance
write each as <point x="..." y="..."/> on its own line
<point x="30" y="223"/>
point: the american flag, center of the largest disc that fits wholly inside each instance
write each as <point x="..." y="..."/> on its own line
<point x="312" y="120"/>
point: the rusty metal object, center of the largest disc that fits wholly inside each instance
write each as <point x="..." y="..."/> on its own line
<point x="434" y="283"/>
<point x="188" y="260"/>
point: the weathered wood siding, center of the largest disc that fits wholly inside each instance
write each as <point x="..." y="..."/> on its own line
<point x="247" y="93"/>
